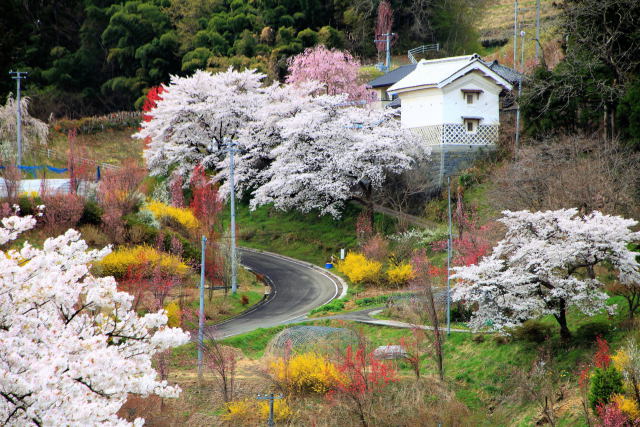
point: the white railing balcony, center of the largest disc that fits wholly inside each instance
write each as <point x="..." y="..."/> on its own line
<point x="457" y="134"/>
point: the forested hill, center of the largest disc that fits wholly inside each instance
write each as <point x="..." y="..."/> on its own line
<point x="94" y="56"/>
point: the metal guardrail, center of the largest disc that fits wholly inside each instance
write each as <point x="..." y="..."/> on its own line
<point x="420" y="50"/>
<point x="49" y="153"/>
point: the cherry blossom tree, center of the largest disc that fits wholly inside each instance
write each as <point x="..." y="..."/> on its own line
<point x="71" y="347"/>
<point x="337" y="70"/>
<point x="546" y="264"/>
<point x="194" y="117"/>
<point x="331" y="154"/>
<point x="258" y="138"/>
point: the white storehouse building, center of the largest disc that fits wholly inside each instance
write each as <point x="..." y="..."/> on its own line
<point x="454" y="103"/>
<point x="452" y="100"/>
<point x="449" y="100"/>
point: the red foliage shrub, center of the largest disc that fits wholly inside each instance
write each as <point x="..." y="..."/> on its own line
<point x="11" y="178"/>
<point x="376" y="248"/>
<point x="206" y="203"/>
<point x="602" y="358"/>
<point x="177" y="196"/>
<point x="364" y="376"/>
<point x="363" y="226"/>
<point x="80" y="168"/>
<point x="62" y="211"/>
<point x="118" y="196"/>
<point x="153" y="96"/>
<point x="612" y="416"/>
<point x="149" y="286"/>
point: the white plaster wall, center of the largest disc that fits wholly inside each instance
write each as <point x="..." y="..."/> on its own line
<point x="421" y="108"/>
<point x="487" y="106"/>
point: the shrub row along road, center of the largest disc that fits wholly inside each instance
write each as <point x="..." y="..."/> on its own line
<point x="297" y="288"/>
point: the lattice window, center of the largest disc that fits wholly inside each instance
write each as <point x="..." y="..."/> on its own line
<point x="458" y="134"/>
<point x="432" y="135"/>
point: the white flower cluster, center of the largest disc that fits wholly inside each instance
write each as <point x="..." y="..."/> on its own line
<point x="71" y="347"/>
<point x="545" y="264"/>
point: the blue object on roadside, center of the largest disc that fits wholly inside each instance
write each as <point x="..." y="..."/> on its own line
<point x="32" y="169"/>
<point x="57" y="170"/>
<point x="328" y="265"/>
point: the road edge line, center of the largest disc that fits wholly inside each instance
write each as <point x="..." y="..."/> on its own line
<point x="337" y="280"/>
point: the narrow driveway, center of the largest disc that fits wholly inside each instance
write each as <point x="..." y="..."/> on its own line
<point x="297" y="288"/>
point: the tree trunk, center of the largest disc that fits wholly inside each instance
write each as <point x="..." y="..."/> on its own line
<point x="368" y="202"/>
<point x="565" y="334"/>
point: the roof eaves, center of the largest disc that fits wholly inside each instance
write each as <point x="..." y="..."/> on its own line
<point x="414" y="87"/>
<point x="470" y="67"/>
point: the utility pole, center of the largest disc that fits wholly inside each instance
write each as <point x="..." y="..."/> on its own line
<point x="537" y="29"/>
<point x="201" y="314"/>
<point x="522" y="34"/>
<point x="231" y="148"/>
<point x="387" y="60"/>
<point x="270" y="398"/>
<point x="387" y="41"/>
<point x="515" y="33"/>
<point x="449" y="250"/>
<point x="17" y="76"/>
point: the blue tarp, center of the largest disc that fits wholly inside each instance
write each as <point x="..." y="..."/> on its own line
<point x="32" y="169"/>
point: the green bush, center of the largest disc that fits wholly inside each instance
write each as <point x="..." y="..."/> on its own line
<point x="335" y="305"/>
<point x="500" y="339"/>
<point x="28" y="205"/>
<point x="532" y="331"/>
<point x="91" y="213"/>
<point x="190" y="251"/>
<point x="460" y="313"/>
<point x="369" y="301"/>
<point x="587" y="333"/>
<point x="478" y="338"/>
<point x="605" y="382"/>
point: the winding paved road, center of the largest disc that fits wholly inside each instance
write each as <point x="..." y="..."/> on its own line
<point x="297" y="288"/>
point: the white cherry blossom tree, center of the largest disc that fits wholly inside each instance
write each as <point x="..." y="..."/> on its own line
<point x="71" y="347"/>
<point x="258" y="137"/>
<point x="546" y="264"/>
<point x="195" y="116"/>
<point x="330" y="154"/>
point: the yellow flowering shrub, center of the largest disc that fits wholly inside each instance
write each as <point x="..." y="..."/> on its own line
<point x="241" y="412"/>
<point x="30" y="194"/>
<point x="359" y="269"/>
<point x="281" y="410"/>
<point x="183" y="216"/>
<point x="118" y="262"/>
<point x="627" y="405"/>
<point x="174" y="314"/>
<point x="621" y="360"/>
<point x="305" y="373"/>
<point x="400" y="274"/>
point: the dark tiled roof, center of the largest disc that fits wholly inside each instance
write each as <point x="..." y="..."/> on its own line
<point x="393" y="76"/>
<point x="509" y="74"/>
<point x="394" y="104"/>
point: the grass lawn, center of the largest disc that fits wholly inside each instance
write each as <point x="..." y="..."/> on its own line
<point x="219" y="306"/>
<point x="308" y="237"/>
<point x="110" y="146"/>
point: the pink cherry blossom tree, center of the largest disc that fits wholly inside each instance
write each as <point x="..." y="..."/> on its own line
<point x="71" y="346"/>
<point x="336" y="69"/>
<point x="546" y="264"/>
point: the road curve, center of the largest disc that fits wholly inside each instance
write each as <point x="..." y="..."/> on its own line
<point x="297" y="288"/>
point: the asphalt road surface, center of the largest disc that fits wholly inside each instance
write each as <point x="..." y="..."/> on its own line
<point x="296" y="289"/>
